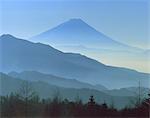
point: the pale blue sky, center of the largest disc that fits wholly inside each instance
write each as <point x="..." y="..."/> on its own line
<point x="122" y="20"/>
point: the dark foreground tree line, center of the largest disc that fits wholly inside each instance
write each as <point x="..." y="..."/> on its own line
<point x="31" y="106"/>
<point x="25" y="103"/>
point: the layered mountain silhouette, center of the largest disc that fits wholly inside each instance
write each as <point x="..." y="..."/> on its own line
<point x="21" y="55"/>
<point x="54" y="80"/>
<point x="44" y="90"/>
<point x="77" y="36"/>
<point x="33" y="76"/>
<point x="77" y="32"/>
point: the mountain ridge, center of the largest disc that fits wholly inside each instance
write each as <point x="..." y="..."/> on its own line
<point x="45" y="90"/>
<point x="74" y="27"/>
<point x="54" y="80"/>
<point x="19" y="55"/>
<point x="75" y="32"/>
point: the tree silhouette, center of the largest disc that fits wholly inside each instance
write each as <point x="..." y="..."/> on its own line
<point x="91" y="101"/>
<point x="26" y="93"/>
<point x="92" y="109"/>
<point x="12" y="106"/>
<point x="139" y="96"/>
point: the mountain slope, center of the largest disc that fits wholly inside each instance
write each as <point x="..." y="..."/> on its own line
<point x="54" y="80"/>
<point x="131" y="91"/>
<point x="44" y="90"/>
<point x="77" y="36"/>
<point x="77" y="32"/>
<point x="22" y="55"/>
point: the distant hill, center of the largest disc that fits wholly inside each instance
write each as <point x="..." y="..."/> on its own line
<point x="77" y="36"/>
<point x="34" y="76"/>
<point x="44" y="90"/>
<point x="54" y="80"/>
<point x="21" y="55"/>
<point x="77" y="32"/>
<point x="130" y="91"/>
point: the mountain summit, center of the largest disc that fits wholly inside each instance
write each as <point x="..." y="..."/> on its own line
<point x="77" y="32"/>
<point x="7" y="36"/>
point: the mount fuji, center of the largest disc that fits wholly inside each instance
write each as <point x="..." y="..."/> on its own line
<point x="77" y="36"/>
<point x="76" y="32"/>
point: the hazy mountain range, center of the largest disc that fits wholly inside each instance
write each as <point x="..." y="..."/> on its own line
<point x="44" y="90"/>
<point x="77" y="36"/>
<point x="34" y="76"/>
<point x="22" y="55"/>
<point x="77" y="32"/>
<point x="73" y="76"/>
<point x="54" y="80"/>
